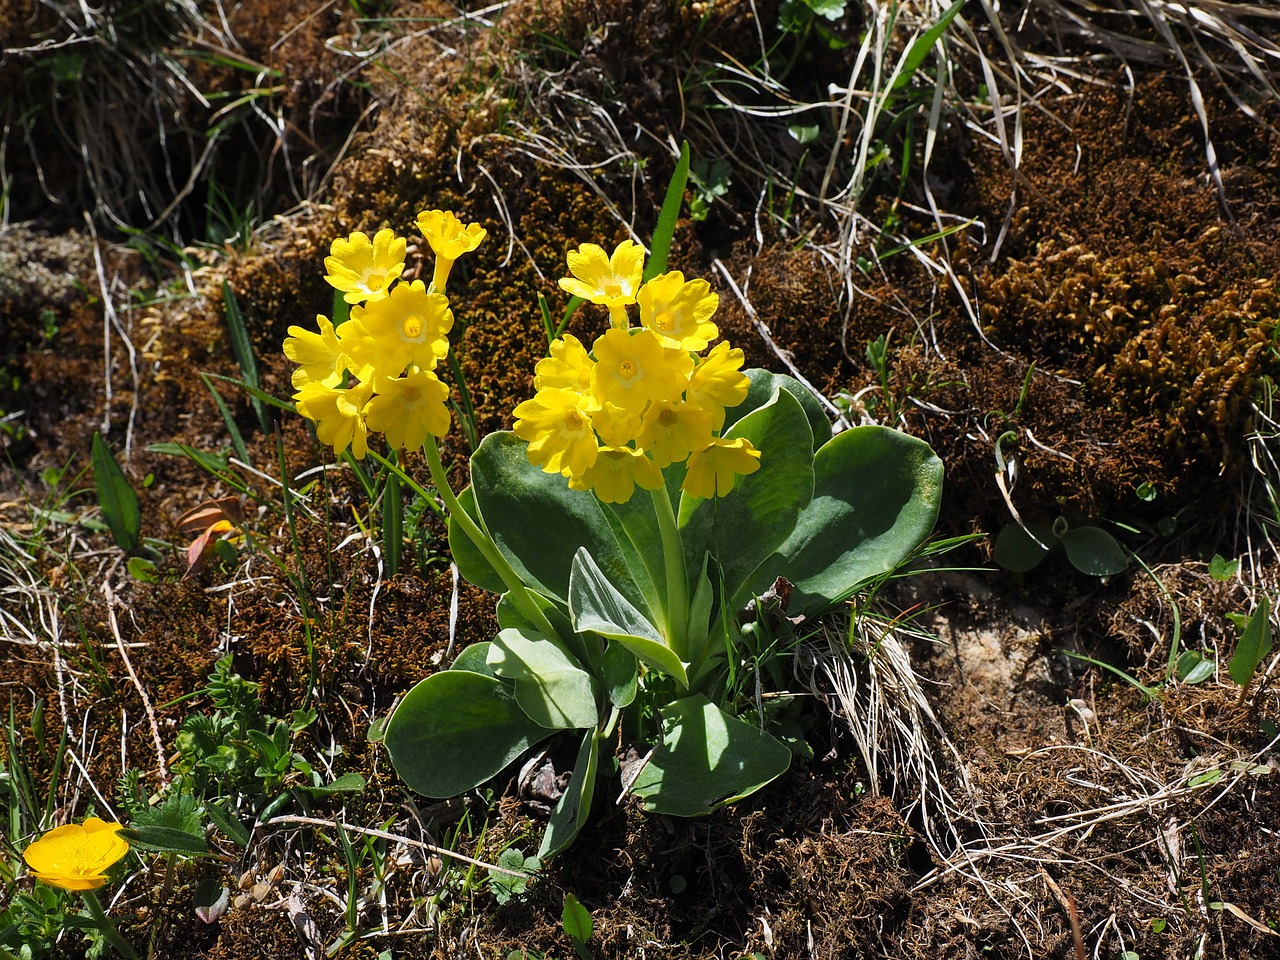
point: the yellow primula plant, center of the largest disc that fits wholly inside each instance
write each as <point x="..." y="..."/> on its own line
<point x="650" y="494"/>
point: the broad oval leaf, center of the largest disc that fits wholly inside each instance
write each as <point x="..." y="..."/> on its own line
<point x="597" y="606"/>
<point x="707" y="759"/>
<point x="1254" y="645"/>
<point x="539" y="523"/>
<point x="1093" y="551"/>
<point x="1019" y="552"/>
<point x="471" y="563"/>
<point x="455" y="730"/>
<point x="551" y="687"/>
<point x="743" y="529"/>
<point x="764" y="384"/>
<point x="876" y="498"/>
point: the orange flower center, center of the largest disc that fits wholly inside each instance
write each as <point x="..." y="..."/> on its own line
<point x="412" y="327"/>
<point x="626" y="369"/>
<point x="668" y="417"/>
<point x="611" y="288"/>
<point x="411" y="394"/>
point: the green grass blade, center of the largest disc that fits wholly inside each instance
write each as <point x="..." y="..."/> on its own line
<point x="922" y="44"/>
<point x="392" y="524"/>
<point x="666" y="228"/>
<point x="243" y="349"/>
<point x="233" y="431"/>
<point x="257" y="393"/>
<point x="117" y="499"/>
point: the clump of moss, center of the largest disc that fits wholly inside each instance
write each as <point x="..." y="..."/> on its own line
<point x="1154" y="336"/>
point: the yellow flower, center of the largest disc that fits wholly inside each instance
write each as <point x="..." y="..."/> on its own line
<point x="615" y="426"/>
<point x="616" y="473"/>
<point x="679" y="312"/>
<point x="363" y="269"/>
<point x="410" y="326"/>
<point x="339" y="415"/>
<point x="718" y="382"/>
<point x="713" y="469"/>
<point x="611" y="281"/>
<point x="449" y="240"/>
<point x="407" y="408"/>
<point x="632" y="370"/>
<point x="558" y="431"/>
<point x="77" y="856"/>
<point x="568" y="367"/>
<point x="672" y="431"/>
<point x="319" y="355"/>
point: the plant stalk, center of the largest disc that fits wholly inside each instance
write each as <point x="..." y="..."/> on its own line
<point x="118" y="943"/>
<point x="677" y="612"/>
<point x="519" y="594"/>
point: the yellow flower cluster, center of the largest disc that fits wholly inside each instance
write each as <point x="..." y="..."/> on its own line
<point x="376" y="372"/>
<point x="643" y="397"/>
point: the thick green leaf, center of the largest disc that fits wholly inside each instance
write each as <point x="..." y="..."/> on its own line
<point x="166" y="840"/>
<point x="471" y="563"/>
<point x="707" y="759"/>
<point x="621" y="672"/>
<point x="876" y="497"/>
<point x="575" y="803"/>
<point x="347" y="783"/>
<point x="455" y="730"/>
<point x="586" y="650"/>
<point x="118" y="501"/>
<point x="699" y="627"/>
<point x="1194" y="667"/>
<point x="475" y="658"/>
<point x="1093" y="551"/>
<point x="576" y="920"/>
<point x="597" y="606"/>
<point x="1255" y="643"/>
<point x="744" y="528"/>
<point x="539" y="523"/>
<point x="1017" y="552"/>
<point x="764" y="384"/>
<point x="551" y="687"/>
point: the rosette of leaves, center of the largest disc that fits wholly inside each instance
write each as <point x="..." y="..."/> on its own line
<point x="830" y="514"/>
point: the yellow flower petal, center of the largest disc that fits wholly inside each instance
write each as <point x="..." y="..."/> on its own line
<point x="411" y="326"/>
<point x="407" y="408"/>
<point x="611" y="281"/>
<point x="558" y="431"/>
<point x="713" y="470"/>
<point x="679" y="312"/>
<point x="632" y="370"/>
<point x="616" y="474"/>
<point x="718" y="382"/>
<point x="364" y="269"/>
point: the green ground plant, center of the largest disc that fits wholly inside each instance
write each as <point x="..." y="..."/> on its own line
<point x="617" y="611"/>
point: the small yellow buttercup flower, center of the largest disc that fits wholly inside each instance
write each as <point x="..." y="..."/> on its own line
<point x="679" y="312"/>
<point x="319" y="355"/>
<point x="608" y="280"/>
<point x="616" y="474"/>
<point x="713" y="469"/>
<point x="407" y="408"/>
<point x="364" y="269"/>
<point x="558" y="431"/>
<point x="449" y="240"/>
<point x="77" y="856"/>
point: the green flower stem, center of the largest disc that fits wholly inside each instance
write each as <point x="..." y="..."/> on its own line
<point x="484" y="543"/>
<point x="677" y="578"/>
<point x="118" y="943"/>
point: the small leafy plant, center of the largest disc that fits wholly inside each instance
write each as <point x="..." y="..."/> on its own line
<point x="625" y="616"/>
